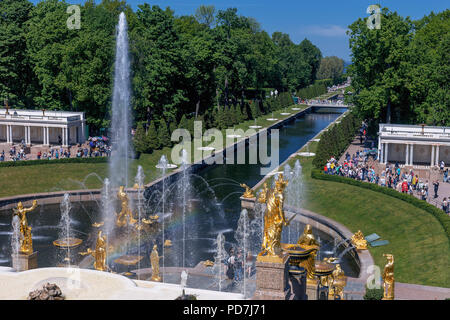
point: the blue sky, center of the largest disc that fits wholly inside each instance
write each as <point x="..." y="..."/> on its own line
<point x="324" y="22"/>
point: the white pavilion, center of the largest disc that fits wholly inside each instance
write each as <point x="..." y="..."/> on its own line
<point x="413" y="145"/>
<point x="41" y="127"/>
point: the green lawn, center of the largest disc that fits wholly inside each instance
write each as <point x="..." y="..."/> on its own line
<point x="416" y="239"/>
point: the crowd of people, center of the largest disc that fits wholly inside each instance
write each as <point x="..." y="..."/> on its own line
<point x="356" y="167"/>
<point x="94" y="147"/>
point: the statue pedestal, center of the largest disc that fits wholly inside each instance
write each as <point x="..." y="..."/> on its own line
<point x="271" y="278"/>
<point x="248" y="203"/>
<point x="312" y="286"/>
<point x="23" y="262"/>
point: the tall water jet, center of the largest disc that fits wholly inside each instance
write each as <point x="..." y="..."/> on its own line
<point x="64" y="224"/>
<point x="121" y="113"/>
<point x="184" y="185"/>
<point x="219" y="258"/>
<point x="242" y="236"/>
<point x="294" y="197"/>
<point x="15" y="240"/>
<point x="139" y="182"/>
<point x="162" y="164"/>
<point x="108" y="211"/>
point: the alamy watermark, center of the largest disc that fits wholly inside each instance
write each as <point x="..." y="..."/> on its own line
<point x="374" y="20"/>
<point x="257" y="147"/>
<point x="74" y="20"/>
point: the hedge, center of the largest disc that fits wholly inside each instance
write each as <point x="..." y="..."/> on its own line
<point x="440" y="215"/>
<point x="22" y="163"/>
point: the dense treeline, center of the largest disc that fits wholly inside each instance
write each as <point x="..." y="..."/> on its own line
<point x="182" y="66"/>
<point x="400" y="72"/>
<point x="336" y="139"/>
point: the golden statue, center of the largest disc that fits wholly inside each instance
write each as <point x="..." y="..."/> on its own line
<point x="125" y="216"/>
<point x="154" y="259"/>
<point x="263" y="195"/>
<point x="274" y="220"/>
<point x="358" y="241"/>
<point x="248" y="191"/>
<point x="97" y="224"/>
<point x="99" y="253"/>
<point x="26" y="243"/>
<point x="307" y="238"/>
<point x="308" y="242"/>
<point x="208" y="263"/>
<point x="168" y="243"/>
<point x="388" y="278"/>
<point x="338" y="283"/>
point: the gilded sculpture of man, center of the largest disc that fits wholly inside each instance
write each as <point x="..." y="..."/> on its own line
<point x="308" y="242"/>
<point x="388" y="278"/>
<point x="274" y="218"/>
<point x="358" y="241"/>
<point x="338" y="283"/>
<point x="154" y="259"/>
<point x="125" y="216"/>
<point x="26" y="242"/>
<point x="99" y="253"/>
<point x="307" y="238"/>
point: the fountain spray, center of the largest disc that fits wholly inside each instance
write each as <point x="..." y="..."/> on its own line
<point x="120" y="111"/>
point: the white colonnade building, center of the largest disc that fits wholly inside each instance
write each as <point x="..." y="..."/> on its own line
<point x="413" y="145"/>
<point x="41" y="127"/>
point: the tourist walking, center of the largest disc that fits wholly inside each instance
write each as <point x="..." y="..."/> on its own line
<point x="436" y="188"/>
<point x="445" y="205"/>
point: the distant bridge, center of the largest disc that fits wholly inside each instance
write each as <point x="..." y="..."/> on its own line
<point x="327" y="105"/>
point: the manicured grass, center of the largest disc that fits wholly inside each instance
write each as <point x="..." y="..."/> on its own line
<point x="70" y="176"/>
<point x="416" y="239"/>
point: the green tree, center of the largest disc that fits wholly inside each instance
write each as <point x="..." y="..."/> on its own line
<point x="16" y="77"/>
<point x="140" y="139"/>
<point x="378" y="69"/>
<point x="163" y="134"/>
<point x="153" y="142"/>
<point x="205" y="15"/>
<point x="330" y="68"/>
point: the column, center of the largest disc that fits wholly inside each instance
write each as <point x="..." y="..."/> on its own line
<point x="29" y="134"/>
<point x="64" y="137"/>
<point x="43" y="136"/>
<point x="25" y="134"/>
<point x="47" y="134"/>
<point x="432" y="156"/>
<point x="386" y="153"/>
<point x="407" y="155"/>
<point x="10" y="135"/>
<point x="437" y="155"/>
<point x="411" y="155"/>
<point x="381" y="155"/>
<point x="7" y="134"/>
